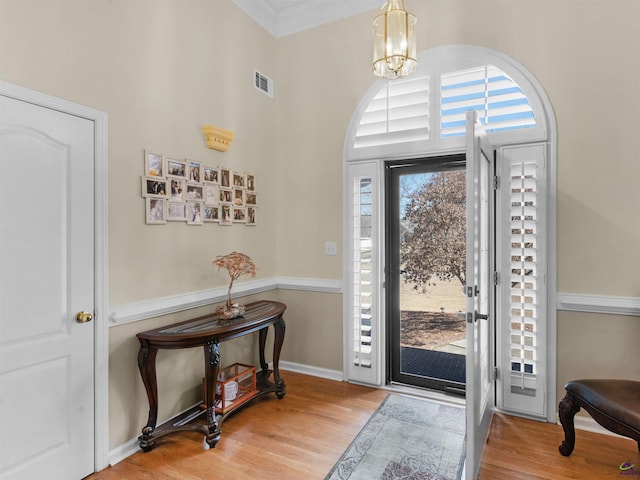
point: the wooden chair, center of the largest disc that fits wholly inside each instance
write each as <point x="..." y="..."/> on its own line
<point x="614" y="404"/>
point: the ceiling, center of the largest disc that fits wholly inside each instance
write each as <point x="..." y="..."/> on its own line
<point x="284" y="17"/>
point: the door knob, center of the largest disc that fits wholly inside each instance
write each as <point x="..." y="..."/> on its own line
<point x="84" y="317"/>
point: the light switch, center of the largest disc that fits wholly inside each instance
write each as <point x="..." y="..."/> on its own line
<point x="331" y="248"/>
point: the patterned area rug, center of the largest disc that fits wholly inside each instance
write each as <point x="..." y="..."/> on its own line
<point x="407" y="438"/>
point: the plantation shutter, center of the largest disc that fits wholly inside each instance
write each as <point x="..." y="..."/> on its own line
<point x="523" y="279"/>
<point x="363" y="312"/>
<point x="399" y="113"/>
<point x="500" y="102"/>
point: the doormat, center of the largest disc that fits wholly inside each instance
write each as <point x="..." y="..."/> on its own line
<point x="433" y="364"/>
<point x="407" y="438"/>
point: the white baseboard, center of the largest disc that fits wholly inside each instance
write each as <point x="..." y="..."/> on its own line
<point x="132" y="446"/>
<point x="123" y="451"/>
<point x="313" y="371"/>
<point x="588" y="424"/>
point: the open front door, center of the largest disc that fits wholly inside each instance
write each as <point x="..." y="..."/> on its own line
<point x="480" y="392"/>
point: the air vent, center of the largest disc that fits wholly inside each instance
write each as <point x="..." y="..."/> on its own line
<point x="263" y="83"/>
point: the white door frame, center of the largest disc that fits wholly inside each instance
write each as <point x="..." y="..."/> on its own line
<point x="101" y="313"/>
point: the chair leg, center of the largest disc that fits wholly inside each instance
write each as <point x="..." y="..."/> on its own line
<point x="567" y="409"/>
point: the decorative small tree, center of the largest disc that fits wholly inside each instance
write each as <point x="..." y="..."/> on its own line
<point x="236" y="264"/>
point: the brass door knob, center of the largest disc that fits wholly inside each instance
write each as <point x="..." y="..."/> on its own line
<point x="84" y="317"/>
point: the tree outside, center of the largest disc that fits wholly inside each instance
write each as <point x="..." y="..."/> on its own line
<point x="434" y="245"/>
<point x="433" y="257"/>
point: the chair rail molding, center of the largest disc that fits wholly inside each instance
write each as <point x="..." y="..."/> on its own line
<point x="572" y="302"/>
<point x="176" y="303"/>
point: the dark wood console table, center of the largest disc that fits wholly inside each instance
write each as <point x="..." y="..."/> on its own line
<point x="207" y="332"/>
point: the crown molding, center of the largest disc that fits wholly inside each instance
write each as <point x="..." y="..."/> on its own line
<point x="303" y="15"/>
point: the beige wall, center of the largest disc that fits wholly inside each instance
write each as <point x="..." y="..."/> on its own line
<point x="161" y="69"/>
<point x="573" y="48"/>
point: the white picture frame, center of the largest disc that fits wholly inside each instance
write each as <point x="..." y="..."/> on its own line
<point x="155" y="187"/>
<point x="211" y="175"/>
<point x="154" y="165"/>
<point x="252" y="216"/>
<point x="212" y="213"/>
<point x="155" y="211"/>
<point x="176" y="168"/>
<point x="194" y="170"/>
<point x="176" y="211"/>
<point x="211" y="194"/>
<point x="195" y="213"/>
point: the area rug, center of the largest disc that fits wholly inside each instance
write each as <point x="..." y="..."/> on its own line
<point x="407" y="438"/>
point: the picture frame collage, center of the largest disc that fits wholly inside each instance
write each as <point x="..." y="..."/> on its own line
<point x="184" y="190"/>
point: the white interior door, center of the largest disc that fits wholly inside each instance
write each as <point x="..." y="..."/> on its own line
<point x="46" y="278"/>
<point x="480" y="392"/>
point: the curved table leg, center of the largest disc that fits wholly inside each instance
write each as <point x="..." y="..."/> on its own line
<point x="262" y="336"/>
<point x="279" y="329"/>
<point x="567" y="409"/>
<point x="147" y="366"/>
<point x="211" y="367"/>
<point x="263" y="376"/>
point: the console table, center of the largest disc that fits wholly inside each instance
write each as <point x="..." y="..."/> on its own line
<point x="207" y="332"/>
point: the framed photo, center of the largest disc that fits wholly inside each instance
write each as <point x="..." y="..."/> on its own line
<point x="154" y="187"/>
<point x="225" y="215"/>
<point x="239" y="215"/>
<point x="251" y="182"/>
<point x="239" y="180"/>
<point x="194" y="192"/>
<point x="238" y="197"/>
<point x="225" y="177"/>
<point x="155" y="211"/>
<point x="211" y="175"/>
<point x="194" y="213"/>
<point x="251" y="216"/>
<point x="176" y="211"/>
<point x="250" y="199"/>
<point x="226" y="196"/>
<point x="176" y="168"/>
<point x="211" y="214"/>
<point x="153" y="164"/>
<point x="211" y="194"/>
<point x="177" y="189"/>
<point x="195" y="172"/>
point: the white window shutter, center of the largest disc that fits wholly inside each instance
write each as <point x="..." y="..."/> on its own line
<point x="522" y="289"/>
<point x="500" y="102"/>
<point x="399" y="113"/>
<point x="362" y="310"/>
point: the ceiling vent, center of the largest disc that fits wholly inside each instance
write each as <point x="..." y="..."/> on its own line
<point x="263" y="83"/>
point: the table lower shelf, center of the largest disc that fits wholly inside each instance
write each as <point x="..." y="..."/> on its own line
<point x="195" y="418"/>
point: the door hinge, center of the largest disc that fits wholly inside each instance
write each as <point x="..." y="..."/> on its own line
<point x="495" y="374"/>
<point x="496" y="182"/>
<point x="496" y="278"/>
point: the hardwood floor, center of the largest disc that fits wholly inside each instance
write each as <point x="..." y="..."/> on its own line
<point x="303" y="435"/>
<point x="520" y="449"/>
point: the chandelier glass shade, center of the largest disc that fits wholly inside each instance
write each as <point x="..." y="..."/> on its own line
<point x="394" y="41"/>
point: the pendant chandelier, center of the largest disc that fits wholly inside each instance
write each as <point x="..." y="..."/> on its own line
<point x="394" y="41"/>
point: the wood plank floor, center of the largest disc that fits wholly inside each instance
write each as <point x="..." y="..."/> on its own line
<point x="303" y="435"/>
